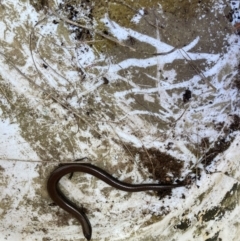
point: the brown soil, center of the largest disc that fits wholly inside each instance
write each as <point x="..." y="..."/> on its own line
<point x="161" y="166"/>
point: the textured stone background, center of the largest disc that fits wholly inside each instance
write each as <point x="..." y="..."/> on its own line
<point x="66" y="94"/>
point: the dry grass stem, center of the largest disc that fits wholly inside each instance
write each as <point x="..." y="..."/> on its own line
<point x="197" y="70"/>
<point x="91" y="29"/>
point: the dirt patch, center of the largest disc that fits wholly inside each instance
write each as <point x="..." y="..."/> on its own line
<point x="39" y="5"/>
<point x="237" y="79"/>
<point x="186" y="10"/>
<point x="235" y="125"/>
<point x="184" y="224"/>
<point x="222" y="143"/>
<point x="218" y="147"/>
<point x="161" y="166"/>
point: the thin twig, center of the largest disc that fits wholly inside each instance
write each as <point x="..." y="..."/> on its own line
<point x="210" y="146"/>
<point x="42" y="58"/>
<point x="150" y="159"/>
<point x="91" y="29"/>
<point x="175" y="122"/>
<point x="55" y="99"/>
<point x="33" y="161"/>
<point x="165" y="53"/>
<point x="197" y="70"/>
<point x="30" y="46"/>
